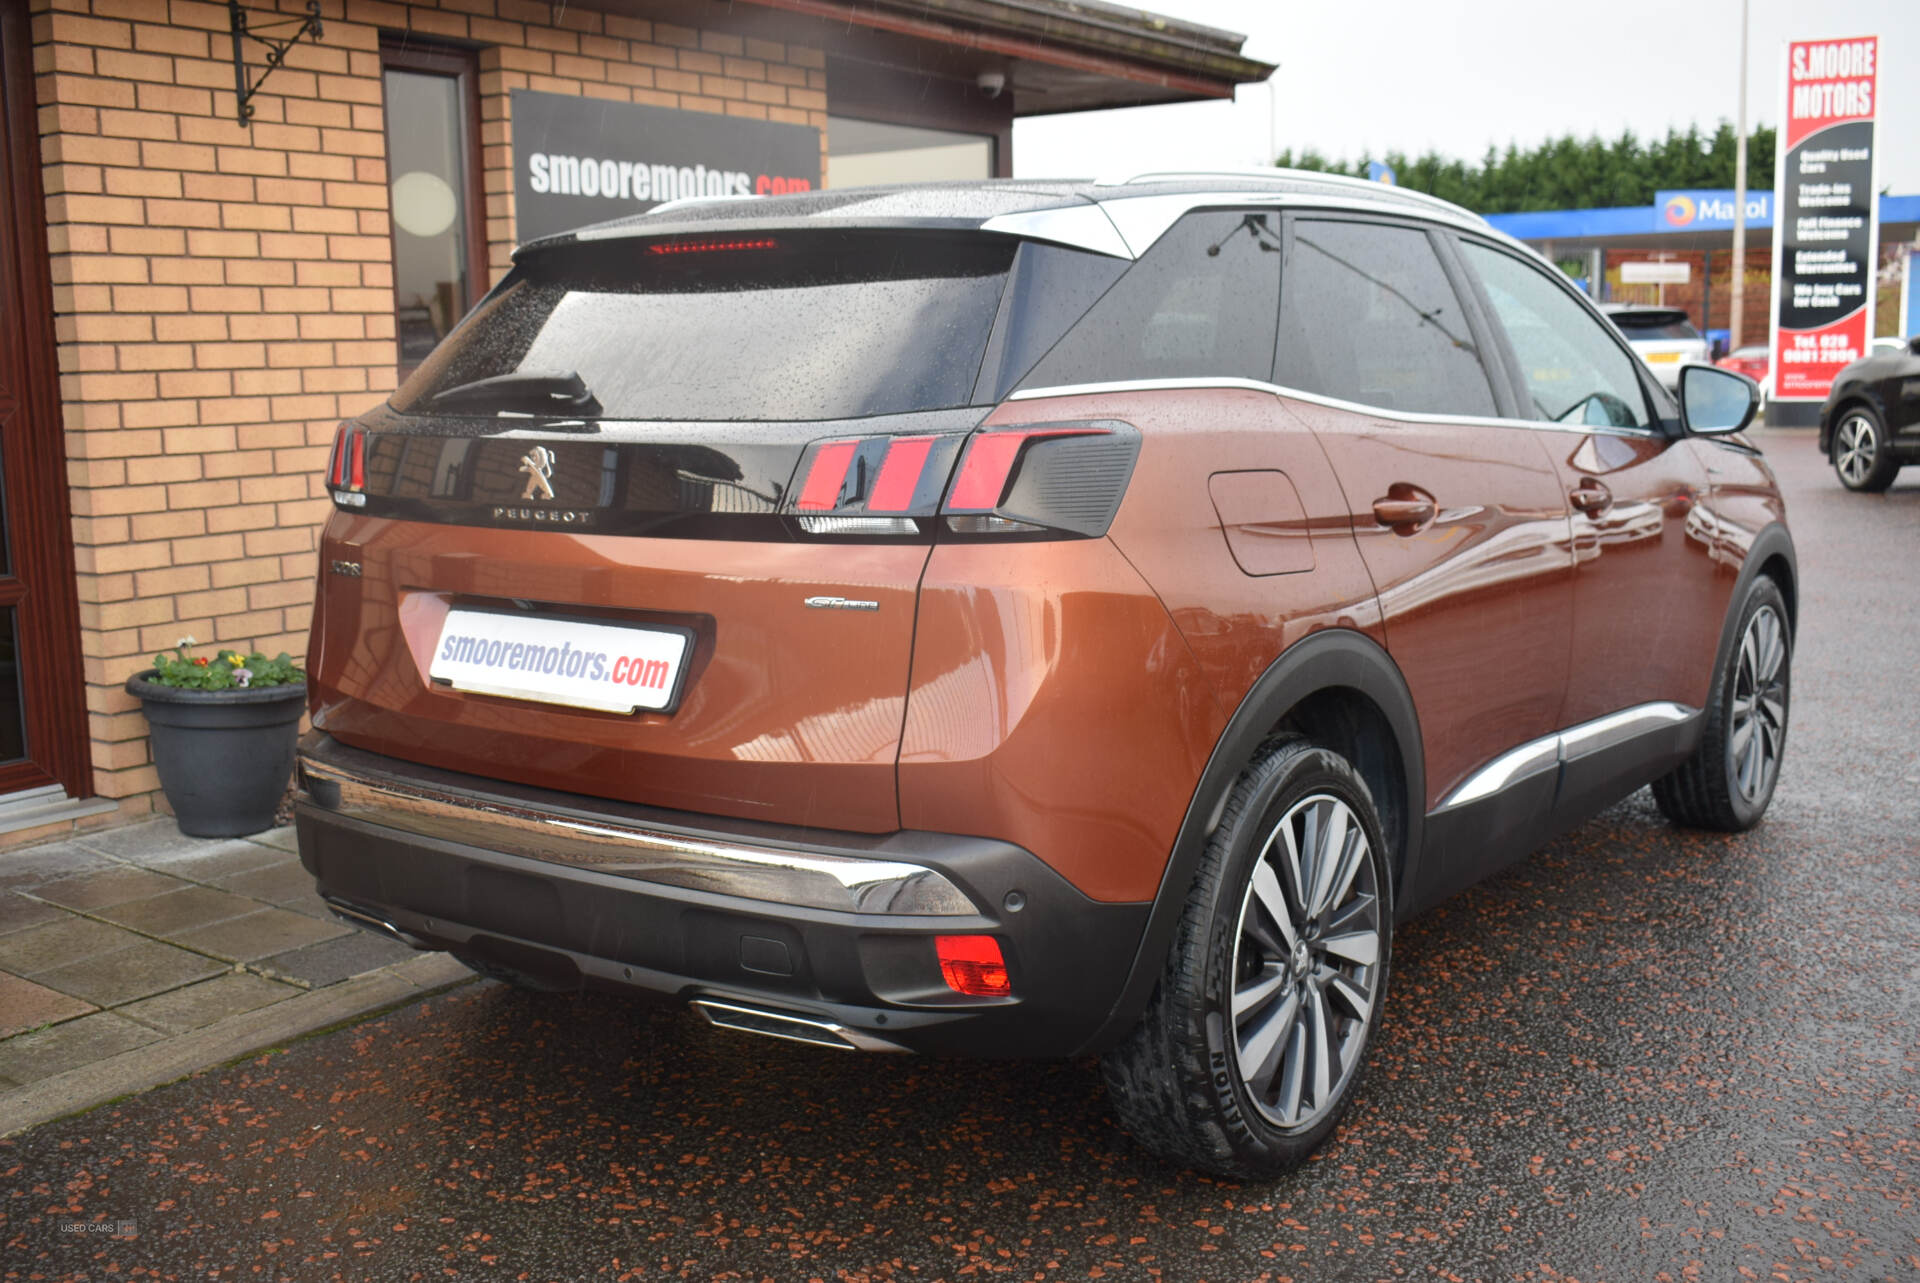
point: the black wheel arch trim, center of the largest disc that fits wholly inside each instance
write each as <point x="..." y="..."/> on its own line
<point x="1332" y="659"/>
<point x="1773" y="542"/>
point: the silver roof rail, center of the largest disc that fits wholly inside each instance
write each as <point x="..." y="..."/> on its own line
<point x="1292" y="176"/>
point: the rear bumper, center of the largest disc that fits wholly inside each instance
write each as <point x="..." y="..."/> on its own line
<point x="825" y="927"/>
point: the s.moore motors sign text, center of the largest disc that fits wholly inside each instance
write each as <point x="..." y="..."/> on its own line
<point x="581" y="160"/>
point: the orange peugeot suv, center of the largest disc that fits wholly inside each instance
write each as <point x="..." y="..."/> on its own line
<point x="1028" y="619"/>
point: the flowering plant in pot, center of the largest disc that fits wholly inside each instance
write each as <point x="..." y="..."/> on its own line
<point x="224" y="727"/>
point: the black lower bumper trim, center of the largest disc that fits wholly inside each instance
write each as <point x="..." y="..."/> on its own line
<point x="875" y="975"/>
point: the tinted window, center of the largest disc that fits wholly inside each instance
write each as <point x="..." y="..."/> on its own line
<point x="1367" y="315"/>
<point x="1199" y="304"/>
<point x="1576" y="372"/>
<point x="781" y="326"/>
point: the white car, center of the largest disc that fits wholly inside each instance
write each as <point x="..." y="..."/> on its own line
<point x="1663" y="336"/>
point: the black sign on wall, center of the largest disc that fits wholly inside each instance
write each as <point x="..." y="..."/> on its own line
<point x="581" y="160"/>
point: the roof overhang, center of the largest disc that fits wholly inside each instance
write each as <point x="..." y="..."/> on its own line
<point x="1056" y="55"/>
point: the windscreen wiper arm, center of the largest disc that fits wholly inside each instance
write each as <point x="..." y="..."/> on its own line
<point x="561" y="392"/>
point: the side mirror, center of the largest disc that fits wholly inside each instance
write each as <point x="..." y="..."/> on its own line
<point x="1913" y="345"/>
<point x="1715" y="402"/>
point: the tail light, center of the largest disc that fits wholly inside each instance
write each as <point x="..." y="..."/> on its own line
<point x="347" y="467"/>
<point x="974" y="966"/>
<point x="1048" y="479"/>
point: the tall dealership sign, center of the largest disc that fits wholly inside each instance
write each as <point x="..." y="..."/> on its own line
<point x="583" y="160"/>
<point x="1826" y="223"/>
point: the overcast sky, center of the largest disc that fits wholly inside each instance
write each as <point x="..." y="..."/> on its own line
<point x="1360" y="77"/>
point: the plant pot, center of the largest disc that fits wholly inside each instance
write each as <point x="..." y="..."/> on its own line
<point x="224" y="757"/>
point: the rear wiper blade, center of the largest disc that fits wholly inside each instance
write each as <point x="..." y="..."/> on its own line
<point x="561" y="392"/>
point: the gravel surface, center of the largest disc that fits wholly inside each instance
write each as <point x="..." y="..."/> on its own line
<point x="1640" y="1055"/>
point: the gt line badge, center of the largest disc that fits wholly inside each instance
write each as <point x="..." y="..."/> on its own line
<point x="537" y="463"/>
<point x="840" y="603"/>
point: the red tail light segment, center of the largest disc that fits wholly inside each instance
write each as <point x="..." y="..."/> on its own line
<point x="990" y="458"/>
<point x="891" y="477"/>
<point x="973" y="965"/>
<point x="1053" y="479"/>
<point x="347" y="468"/>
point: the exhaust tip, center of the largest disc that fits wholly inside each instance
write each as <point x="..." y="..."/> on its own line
<point x="791" y="1028"/>
<point x="354" y="916"/>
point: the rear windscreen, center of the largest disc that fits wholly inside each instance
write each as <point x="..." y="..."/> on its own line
<point x="1654" y="327"/>
<point x="808" y="325"/>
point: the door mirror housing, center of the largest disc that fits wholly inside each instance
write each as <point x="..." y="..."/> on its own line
<point x="1715" y="402"/>
<point x="1913" y="345"/>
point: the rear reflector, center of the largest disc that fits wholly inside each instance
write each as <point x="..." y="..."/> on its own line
<point x="973" y="965"/>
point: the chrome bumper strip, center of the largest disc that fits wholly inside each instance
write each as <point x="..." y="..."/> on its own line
<point x="844" y="884"/>
<point x="1571" y="744"/>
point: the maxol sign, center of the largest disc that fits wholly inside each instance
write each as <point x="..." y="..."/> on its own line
<point x="1708" y="210"/>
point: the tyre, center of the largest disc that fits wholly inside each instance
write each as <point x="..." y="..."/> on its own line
<point x="1249" y="1050"/>
<point x="1861" y="456"/>
<point x="1728" y="782"/>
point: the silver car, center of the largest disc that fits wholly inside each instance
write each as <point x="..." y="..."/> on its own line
<point x="1663" y="336"/>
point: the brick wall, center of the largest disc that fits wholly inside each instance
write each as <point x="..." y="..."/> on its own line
<point x="223" y="293"/>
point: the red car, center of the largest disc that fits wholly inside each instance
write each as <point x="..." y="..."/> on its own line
<point x="1753" y="361"/>
<point x="1029" y="619"/>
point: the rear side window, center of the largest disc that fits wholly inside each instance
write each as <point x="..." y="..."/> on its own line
<point x="781" y="326"/>
<point x="1576" y="371"/>
<point x="1199" y="304"/>
<point x="1367" y="314"/>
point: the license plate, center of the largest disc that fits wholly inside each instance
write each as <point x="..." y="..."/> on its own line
<point x="617" y="668"/>
<point x="1663" y="358"/>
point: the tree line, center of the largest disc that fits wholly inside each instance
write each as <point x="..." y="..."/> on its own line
<point x="1569" y="172"/>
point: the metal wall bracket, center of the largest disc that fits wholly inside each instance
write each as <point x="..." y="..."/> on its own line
<point x="272" y="35"/>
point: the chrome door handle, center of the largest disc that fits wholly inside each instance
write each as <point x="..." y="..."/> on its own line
<point x="1591" y="498"/>
<point x="1404" y="515"/>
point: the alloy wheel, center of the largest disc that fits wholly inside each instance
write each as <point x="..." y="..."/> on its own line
<point x="1758" y="723"/>
<point x="1856" y="449"/>
<point x="1306" y="963"/>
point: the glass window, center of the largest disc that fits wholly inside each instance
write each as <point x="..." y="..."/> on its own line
<point x="795" y="326"/>
<point x="861" y="153"/>
<point x="1200" y="303"/>
<point x="13" y="727"/>
<point x="427" y="147"/>
<point x="1576" y="371"/>
<point x="1367" y="314"/>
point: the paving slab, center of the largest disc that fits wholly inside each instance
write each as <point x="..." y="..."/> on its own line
<point x="34" y="865"/>
<point x="107" y="887"/>
<point x="432" y="970"/>
<point x="207" y="1002"/>
<point x="179" y="911"/>
<point x="332" y="961"/>
<point x="18" y="912"/>
<point x="146" y="842"/>
<point x="283" y="837"/>
<point x="85" y="1041"/>
<point x="257" y="935"/>
<point x="220" y="862"/>
<point x="55" y="944"/>
<point x="143" y="968"/>
<point x="25" y="1005"/>
<point x="275" y="883"/>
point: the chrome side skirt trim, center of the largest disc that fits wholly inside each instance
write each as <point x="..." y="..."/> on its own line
<point x="844" y="884"/>
<point x="1550" y="751"/>
<point x="789" y="1027"/>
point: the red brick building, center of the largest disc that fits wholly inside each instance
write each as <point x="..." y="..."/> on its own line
<point x="191" y="301"/>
